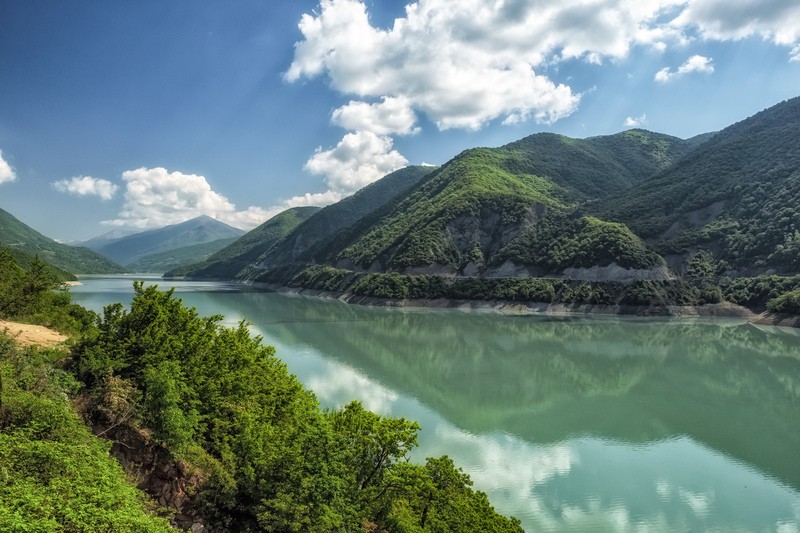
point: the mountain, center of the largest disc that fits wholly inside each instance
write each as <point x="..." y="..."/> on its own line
<point x="493" y="211"/>
<point x="227" y="262"/>
<point x="24" y="260"/>
<point x="737" y="195"/>
<point x="161" y="262"/>
<point x="305" y="243"/>
<point x="637" y="219"/>
<point x="106" y="238"/>
<point x="200" y="230"/>
<point x="15" y="235"/>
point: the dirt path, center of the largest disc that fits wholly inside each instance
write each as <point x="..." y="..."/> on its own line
<point x="29" y="335"/>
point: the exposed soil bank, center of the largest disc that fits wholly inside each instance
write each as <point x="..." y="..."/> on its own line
<point x="30" y="335"/>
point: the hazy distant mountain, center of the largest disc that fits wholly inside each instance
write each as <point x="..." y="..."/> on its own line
<point x="200" y="230"/>
<point x="16" y="235"/>
<point x="106" y="238"/>
<point x="161" y="262"/>
<point x="230" y="260"/>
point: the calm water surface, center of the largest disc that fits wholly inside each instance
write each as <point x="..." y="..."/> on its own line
<point x="570" y="424"/>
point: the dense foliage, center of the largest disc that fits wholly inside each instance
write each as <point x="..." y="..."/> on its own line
<point x="738" y="193"/>
<point x="310" y="240"/>
<point x="77" y="260"/>
<point x="273" y="460"/>
<point x="54" y="474"/>
<point x="35" y="294"/>
<point x="558" y="242"/>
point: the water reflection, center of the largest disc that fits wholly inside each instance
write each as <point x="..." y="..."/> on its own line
<point x="568" y="423"/>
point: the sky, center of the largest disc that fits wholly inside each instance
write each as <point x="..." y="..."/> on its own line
<point x="133" y="115"/>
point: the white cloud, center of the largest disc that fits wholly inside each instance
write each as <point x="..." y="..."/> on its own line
<point x="87" y="186"/>
<point x="392" y="115"/>
<point x="7" y="173"/>
<point x="721" y="20"/>
<point x="462" y="67"/>
<point x="696" y="63"/>
<point x="316" y="199"/>
<point x="636" y="122"/>
<point x="156" y="197"/>
<point x="359" y="159"/>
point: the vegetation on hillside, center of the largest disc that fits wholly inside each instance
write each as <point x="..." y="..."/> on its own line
<point x="310" y="241"/>
<point x="77" y="260"/>
<point x="558" y="242"/>
<point x="34" y="294"/>
<point x="228" y="262"/>
<point x="738" y="193"/>
<point x="272" y="460"/>
<point x="199" y="230"/>
<point x="55" y="475"/>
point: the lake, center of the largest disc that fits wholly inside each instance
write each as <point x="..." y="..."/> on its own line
<point x="568" y="423"/>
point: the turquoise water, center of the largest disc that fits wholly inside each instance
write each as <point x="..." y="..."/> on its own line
<point x="568" y="423"/>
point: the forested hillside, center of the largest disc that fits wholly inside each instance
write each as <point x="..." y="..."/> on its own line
<point x="676" y="222"/>
<point x="76" y="260"/>
<point x="737" y="195"/>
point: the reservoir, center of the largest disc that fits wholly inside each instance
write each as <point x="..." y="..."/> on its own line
<point x="569" y="423"/>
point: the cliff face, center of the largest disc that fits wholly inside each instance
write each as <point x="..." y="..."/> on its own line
<point x="169" y="482"/>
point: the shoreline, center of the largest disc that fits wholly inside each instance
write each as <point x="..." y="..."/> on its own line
<point x="509" y="307"/>
<point x="721" y="310"/>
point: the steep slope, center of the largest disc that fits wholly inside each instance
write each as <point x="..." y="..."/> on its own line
<point x="230" y="260"/>
<point x="478" y="213"/>
<point x="15" y="235"/>
<point x="737" y="195"/>
<point x="305" y="243"/>
<point x="200" y="230"/>
<point x="160" y="262"/>
<point x="25" y="259"/>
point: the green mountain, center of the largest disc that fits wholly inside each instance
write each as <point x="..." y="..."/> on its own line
<point x="227" y="262"/>
<point x="308" y="242"/>
<point x="494" y="211"/>
<point x="24" y="260"/>
<point x="161" y="262"/>
<point x="737" y="195"/>
<point x="199" y="230"/>
<point x="19" y="237"/>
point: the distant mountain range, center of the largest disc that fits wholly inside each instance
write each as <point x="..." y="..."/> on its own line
<point x="160" y="249"/>
<point x="636" y="205"/>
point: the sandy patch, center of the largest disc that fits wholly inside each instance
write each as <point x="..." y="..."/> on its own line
<point x="30" y="335"/>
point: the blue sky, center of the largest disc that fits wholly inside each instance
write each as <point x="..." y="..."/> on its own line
<point x="140" y="114"/>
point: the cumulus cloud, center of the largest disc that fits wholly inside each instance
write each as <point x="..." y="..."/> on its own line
<point x="157" y="197"/>
<point x="696" y="63"/>
<point x="7" y="173"/>
<point x="356" y="161"/>
<point x="392" y="115"/>
<point x="773" y="20"/>
<point x="636" y="122"/>
<point x="87" y="186"/>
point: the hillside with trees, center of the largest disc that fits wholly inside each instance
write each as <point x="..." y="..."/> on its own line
<point x="203" y="417"/>
<point x="16" y="235"/>
<point x="737" y="195"/>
